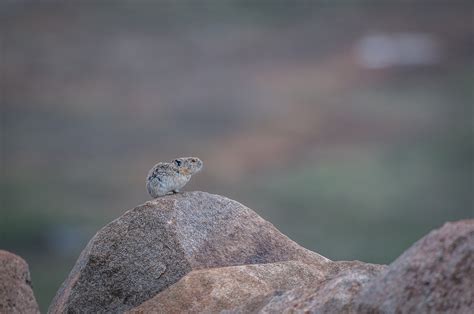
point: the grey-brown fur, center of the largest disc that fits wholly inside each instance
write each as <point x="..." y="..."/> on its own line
<point x="166" y="177"/>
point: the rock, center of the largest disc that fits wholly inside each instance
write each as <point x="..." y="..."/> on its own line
<point x="333" y="295"/>
<point x="154" y="245"/>
<point x="266" y="288"/>
<point x="16" y="295"/>
<point x="217" y="289"/>
<point x="197" y="252"/>
<point x="436" y="275"/>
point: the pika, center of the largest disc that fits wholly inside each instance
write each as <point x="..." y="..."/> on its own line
<point x="166" y="177"/>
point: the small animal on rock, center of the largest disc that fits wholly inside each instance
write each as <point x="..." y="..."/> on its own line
<point x="166" y="177"/>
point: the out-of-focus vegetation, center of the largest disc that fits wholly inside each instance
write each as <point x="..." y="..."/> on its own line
<point x="347" y="125"/>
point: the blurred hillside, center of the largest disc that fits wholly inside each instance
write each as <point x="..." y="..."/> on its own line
<point x="349" y="126"/>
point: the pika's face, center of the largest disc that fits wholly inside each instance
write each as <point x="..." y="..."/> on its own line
<point x="188" y="165"/>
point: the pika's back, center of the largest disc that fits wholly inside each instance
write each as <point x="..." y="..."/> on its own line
<point x="162" y="169"/>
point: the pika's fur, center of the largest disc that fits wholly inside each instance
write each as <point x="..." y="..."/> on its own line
<point x="166" y="177"/>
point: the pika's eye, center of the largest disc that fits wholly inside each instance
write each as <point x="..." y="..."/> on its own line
<point x="178" y="162"/>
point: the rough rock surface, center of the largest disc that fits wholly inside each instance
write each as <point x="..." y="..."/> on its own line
<point x="154" y="245"/>
<point x="266" y="288"/>
<point x="197" y="252"/>
<point x="217" y="289"/>
<point x="334" y="295"/>
<point x="16" y="295"/>
<point x="436" y="275"/>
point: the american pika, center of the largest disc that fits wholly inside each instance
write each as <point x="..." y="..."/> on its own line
<point x="167" y="177"/>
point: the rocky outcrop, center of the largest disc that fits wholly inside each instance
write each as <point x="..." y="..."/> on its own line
<point x="436" y="275"/>
<point x="16" y="295"/>
<point x="154" y="245"/>
<point x="263" y="287"/>
<point x="217" y="289"/>
<point x="203" y="253"/>
<point x="334" y="295"/>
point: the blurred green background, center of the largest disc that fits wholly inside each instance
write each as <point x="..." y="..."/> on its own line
<point x="347" y="124"/>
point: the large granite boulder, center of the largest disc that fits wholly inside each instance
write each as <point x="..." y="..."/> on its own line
<point x="217" y="289"/>
<point x="154" y="245"/>
<point x="16" y="295"/>
<point x="334" y="295"/>
<point x="198" y="252"/>
<point x="266" y="288"/>
<point x="436" y="275"/>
